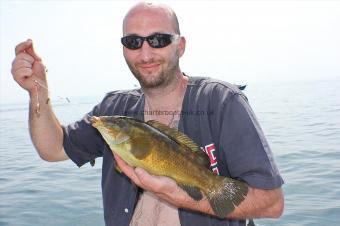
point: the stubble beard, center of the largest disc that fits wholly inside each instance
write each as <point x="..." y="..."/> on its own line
<point x="162" y="79"/>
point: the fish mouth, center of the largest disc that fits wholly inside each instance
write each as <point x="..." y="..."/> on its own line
<point x="107" y="127"/>
<point x="109" y="122"/>
<point x="104" y="123"/>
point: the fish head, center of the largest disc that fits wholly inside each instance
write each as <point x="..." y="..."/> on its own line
<point x="114" y="129"/>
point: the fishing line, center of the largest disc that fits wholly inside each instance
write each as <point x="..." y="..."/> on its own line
<point x="37" y="110"/>
<point x="45" y="87"/>
<point x="66" y="100"/>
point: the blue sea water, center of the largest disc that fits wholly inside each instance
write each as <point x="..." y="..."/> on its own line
<point x="301" y="121"/>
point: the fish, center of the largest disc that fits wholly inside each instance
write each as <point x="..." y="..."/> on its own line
<point x="164" y="151"/>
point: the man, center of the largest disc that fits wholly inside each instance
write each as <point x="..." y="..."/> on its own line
<point x="225" y="128"/>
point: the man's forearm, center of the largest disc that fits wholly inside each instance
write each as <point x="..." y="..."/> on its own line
<point x="257" y="204"/>
<point x="45" y="130"/>
<point x="260" y="204"/>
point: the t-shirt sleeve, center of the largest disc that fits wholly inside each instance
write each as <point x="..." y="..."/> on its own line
<point x="246" y="149"/>
<point x="82" y="142"/>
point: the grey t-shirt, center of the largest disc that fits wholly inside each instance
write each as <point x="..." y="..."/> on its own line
<point x="215" y="114"/>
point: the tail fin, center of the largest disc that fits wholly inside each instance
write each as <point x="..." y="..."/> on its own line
<point x="226" y="195"/>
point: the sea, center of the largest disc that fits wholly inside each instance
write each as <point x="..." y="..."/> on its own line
<point x="301" y="121"/>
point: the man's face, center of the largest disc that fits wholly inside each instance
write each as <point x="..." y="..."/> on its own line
<point x="153" y="67"/>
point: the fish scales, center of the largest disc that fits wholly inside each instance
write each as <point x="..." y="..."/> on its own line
<point x="176" y="165"/>
<point x="172" y="161"/>
<point x="163" y="151"/>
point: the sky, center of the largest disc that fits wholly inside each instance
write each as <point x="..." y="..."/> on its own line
<point x="235" y="41"/>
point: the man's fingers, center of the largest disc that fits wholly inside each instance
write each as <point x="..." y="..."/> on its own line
<point x="158" y="184"/>
<point x="147" y="181"/>
<point x="143" y="179"/>
<point x="22" y="73"/>
<point x="24" y="56"/>
<point x="32" y="52"/>
<point x="21" y="63"/>
<point x="21" y="47"/>
<point x="27" y="47"/>
<point x="22" y="66"/>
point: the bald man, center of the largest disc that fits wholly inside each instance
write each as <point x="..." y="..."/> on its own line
<point x="229" y="134"/>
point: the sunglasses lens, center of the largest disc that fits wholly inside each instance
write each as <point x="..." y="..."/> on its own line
<point x="159" y="40"/>
<point x="155" y="41"/>
<point x="132" y="42"/>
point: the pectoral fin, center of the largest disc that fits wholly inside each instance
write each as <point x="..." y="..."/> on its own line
<point x="140" y="147"/>
<point x="92" y="162"/>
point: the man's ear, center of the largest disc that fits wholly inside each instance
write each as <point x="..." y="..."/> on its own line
<point x="181" y="46"/>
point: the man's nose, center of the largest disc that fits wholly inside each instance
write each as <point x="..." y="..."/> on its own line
<point x="146" y="52"/>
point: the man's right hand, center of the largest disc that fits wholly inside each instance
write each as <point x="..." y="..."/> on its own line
<point x="27" y="66"/>
<point x="45" y="129"/>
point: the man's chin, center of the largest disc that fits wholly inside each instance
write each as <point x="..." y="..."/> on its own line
<point x="149" y="79"/>
<point x="147" y="83"/>
<point x="149" y="72"/>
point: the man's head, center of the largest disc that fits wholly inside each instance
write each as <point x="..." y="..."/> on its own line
<point x="153" y="67"/>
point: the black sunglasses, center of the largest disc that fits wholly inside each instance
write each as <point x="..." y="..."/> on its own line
<point x="157" y="40"/>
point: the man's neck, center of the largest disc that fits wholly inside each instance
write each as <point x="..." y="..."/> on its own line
<point x="169" y="97"/>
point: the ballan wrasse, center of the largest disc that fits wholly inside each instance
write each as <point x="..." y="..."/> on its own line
<point x="164" y="151"/>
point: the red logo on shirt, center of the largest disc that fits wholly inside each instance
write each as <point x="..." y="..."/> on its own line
<point x="210" y="151"/>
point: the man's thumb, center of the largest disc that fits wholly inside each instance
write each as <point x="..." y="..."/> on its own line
<point x="31" y="51"/>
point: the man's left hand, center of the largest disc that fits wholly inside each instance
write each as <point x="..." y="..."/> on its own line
<point x="163" y="187"/>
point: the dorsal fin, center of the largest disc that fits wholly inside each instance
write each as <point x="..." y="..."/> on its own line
<point x="179" y="137"/>
<point x="182" y="140"/>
